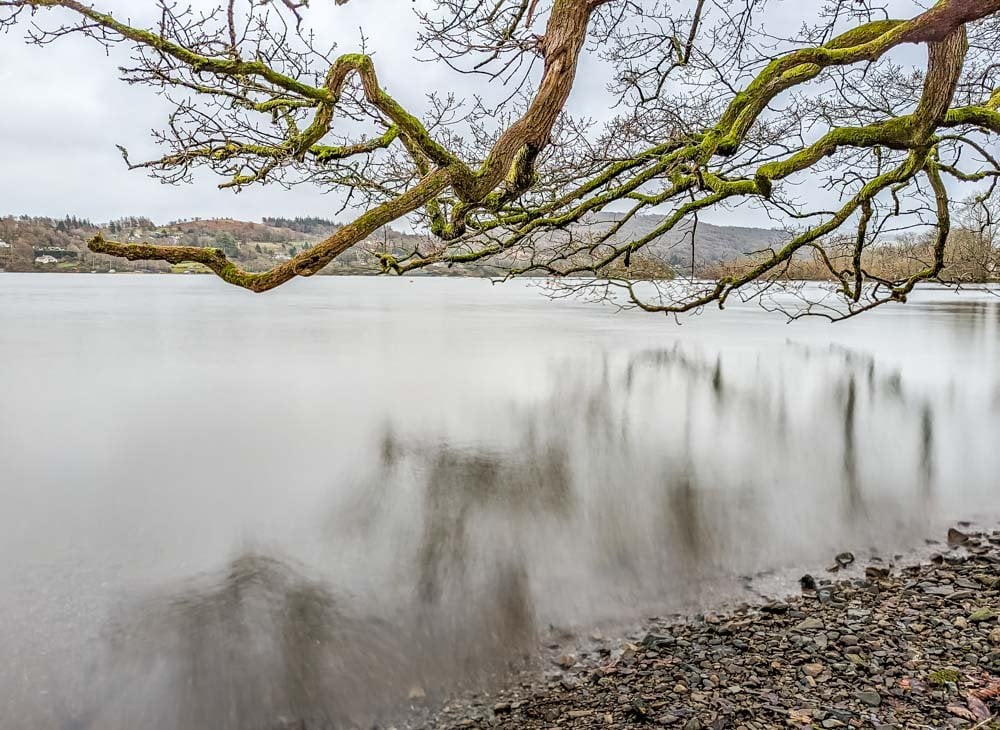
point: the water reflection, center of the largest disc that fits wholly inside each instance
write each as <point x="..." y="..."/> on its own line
<point x="482" y="509"/>
<point x="647" y="482"/>
<point x="926" y="450"/>
<point x="852" y="486"/>
<point x="257" y="646"/>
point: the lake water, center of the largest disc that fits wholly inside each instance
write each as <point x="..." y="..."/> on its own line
<point x="220" y="509"/>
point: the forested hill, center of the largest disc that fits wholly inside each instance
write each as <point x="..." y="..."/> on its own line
<point x="713" y="243"/>
<point x="60" y="244"/>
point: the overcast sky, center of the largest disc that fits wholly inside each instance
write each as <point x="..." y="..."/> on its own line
<point x="64" y="110"/>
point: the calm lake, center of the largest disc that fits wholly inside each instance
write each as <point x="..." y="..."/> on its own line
<point x="220" y="509"/>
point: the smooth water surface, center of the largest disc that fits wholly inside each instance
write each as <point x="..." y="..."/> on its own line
<point x="224" y="510"/>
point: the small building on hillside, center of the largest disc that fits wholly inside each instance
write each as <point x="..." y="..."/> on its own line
<point x="46" y="260"/>
<point x="57" y="252"/>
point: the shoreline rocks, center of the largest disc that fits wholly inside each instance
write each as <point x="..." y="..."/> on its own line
<point x="913" y="647"/>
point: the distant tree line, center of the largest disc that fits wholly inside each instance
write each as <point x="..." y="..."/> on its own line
<point x="971" y="253"/>
<point x="130" y="223"/>
<point x="309" y="225"/>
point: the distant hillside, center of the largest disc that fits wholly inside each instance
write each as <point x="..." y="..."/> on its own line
<point x="311" y="225"/>
<point x="49" y="244"/>
<point x="241" y="230"/>
<point x="60" y="245"/>
<point x="713" y="244"/>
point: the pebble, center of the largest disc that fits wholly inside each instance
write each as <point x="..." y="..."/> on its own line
<point x="844" y="559"/>
<point x="870" y="698"/>
<point x="566" y="661"/>
<point x="809" y="624"/>
<point x="981" y="615"/>
<point x="812" y="670"/>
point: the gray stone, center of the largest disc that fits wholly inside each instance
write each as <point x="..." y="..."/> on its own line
<point x="810" y="624"/>
<point x="812" y="670"/>
<point x="870" y="698"/>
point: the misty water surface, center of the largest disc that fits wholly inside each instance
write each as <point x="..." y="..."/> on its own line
<point x="223" y="510"/>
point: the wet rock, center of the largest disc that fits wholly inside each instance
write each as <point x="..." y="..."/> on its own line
<point x="876" y="572"/>
<point x="775" y="608"/>
<point x="844" y="559"/>
<point x="957" y="538"/>
<point x="825" y="594"/>
<point x="657" y="641"/>
<point x="807" y="582"/>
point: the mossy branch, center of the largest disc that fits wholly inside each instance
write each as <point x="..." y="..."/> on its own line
<point x="306" y="263"/>
<point x="472" y="206"/>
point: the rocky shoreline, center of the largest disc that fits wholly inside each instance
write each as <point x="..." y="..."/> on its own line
<point x="895" y="647"/>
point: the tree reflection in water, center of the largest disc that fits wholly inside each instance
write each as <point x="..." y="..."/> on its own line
<point x="252" y="647"/>
<point x="649" y="482"/>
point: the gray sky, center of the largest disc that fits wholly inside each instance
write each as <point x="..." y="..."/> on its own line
<point x="65" y="110"/>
